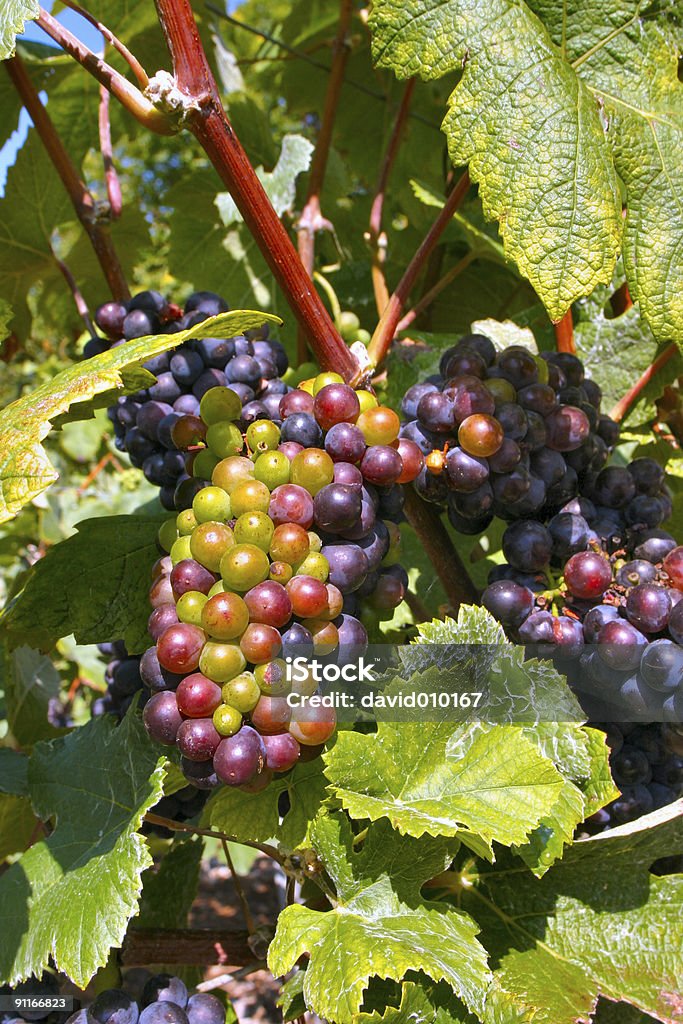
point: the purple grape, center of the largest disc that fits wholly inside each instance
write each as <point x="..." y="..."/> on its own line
<point x="239" y="758"/>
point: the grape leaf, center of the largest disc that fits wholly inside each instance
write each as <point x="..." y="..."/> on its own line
<point x="291" y="998"/>
<point x="31" y="680"/>
<point x="500" y="789"/>
<point x="255" y="816"/>
<point x="169" y="892"/>
<point x="93" y="584"/>
<point x="69" y="898"/>
<point x="13" y="16"/>
<point x="421" y="1003"/>
<point x="13" y="772"/>
<point x="626" y="52"/>
<point x="17" y="824"/>
<point x="597" y="924"/>
<point x="379" y="926"/>
<point x="25" y="469"/>
<point x="280" y="183"/>
<point x="528" y="127"/>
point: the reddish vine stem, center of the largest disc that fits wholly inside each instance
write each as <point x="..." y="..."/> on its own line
<point x="79" y="301"/>
<point x="126" y="93"/>
<point x="110" y="176"/>
<point x="564" y="334"/>
<point x="208" y="122"/>
<point x="81" y="199"/>
<point x="376" y="237"/>
<point x="622" y="406"/>
<point x="427" y="524"/>
<point x="143" y="947"/>
<point x="386" y="328"/>
<point x="177" y="826"/>
<point x="435" y="291"/>
<point x="130" y="59"/>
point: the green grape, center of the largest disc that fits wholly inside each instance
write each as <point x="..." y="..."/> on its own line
<point x="186" y="522"/>
<point x="209" y="542"/>
<point x="272" y="678"/>
<point x="225" y="616"/>
<point x="211" y="505"/>
<point x="220" y="404"/>
<point x="227" y="720"/>
<point x="217" y="588"/>
<point x="363" y="336"/>
<point x="250" y="496"/>
<point x="204" y="464"/>
<point x="543" y="371"/>
<point x="314" y="541"/>
<point x="501" y="389"/>
<point x="190" y="606"/>
<point x="323" y="379"/>
<point x="348" y="325"/>
<point x="180" y="550"/>
<point x="315" y="565"/>
<point x="224" y="439"/>
<point x="262" y="435"/>
<point x="221" y="662"/>
<point x="243" y="566"/>
<point x="302" y="372"/>
<point x="167" y="535"/>
<point x="242" y="692"/>
<point x="254" y="528"/>
<point x="272" y="469"/>
<point x="312" y="469"/>
<point x="366" y="399"/>
<point x="231" y="472"/>
<point x="280" y="572"/>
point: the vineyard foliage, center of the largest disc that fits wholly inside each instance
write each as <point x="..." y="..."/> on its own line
<point x="448" y="883"/>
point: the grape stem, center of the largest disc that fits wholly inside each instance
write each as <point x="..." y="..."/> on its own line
<point x="375" y="237"/>
<point x="239" y="889"/>
<point x="622" y="406"/>
<point x="125" y="92"/>
<point x="79" y="301"/>
<point x="82" y="200"/>
<point x="205" y="117"/>
<point x="386" y="328"/>
<point x="130" y="59"/>
<point x="564" y="334"/>
<point x="435" y="291"/>
<point x="176" y="826"/>
<point x="110" y="176"/>
<point x="432" y="533"/>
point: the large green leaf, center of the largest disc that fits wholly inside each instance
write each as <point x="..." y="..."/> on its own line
<point x="101" y="575"/>
<point x="69" y="898"/>
<point x="13" y="15"/>
<point x="30" y="680"/>
<point x="380" y="925"/>
<point x="25" y="469"/>
<point x="421" y="1003"/>
<point x="597" y="924"/>
<point x="626" y="52"/>
<point x="255" y="817"/>
<point x="17" y="824"/>
<point x="13" y="772"/>
<point x="528" y="127"/>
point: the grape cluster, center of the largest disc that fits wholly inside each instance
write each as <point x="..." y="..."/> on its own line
<point x="144" y="999"/>
<point x="508" y="434"/>
<point x="275" y="558"/>
<point x="647" y="767"/>
<point x="123" y="679"/>
<point x="143" y="422"/>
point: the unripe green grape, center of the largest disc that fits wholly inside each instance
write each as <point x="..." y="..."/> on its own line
<point x="211" y="505"/>
<point x="501" y="389"/>
<point x="272" y="469"/>
<point x="271" y="678"/>
<point x="220" y="404"/>
<point x="217" y="588"/>
<point x="314" y="564"/>
<point x="363" y="336"/>
<point x="189" y="607"/>
<point x="314" y="541"/>
<point x="348" y="325"/>
<point x="180" y="550"/>
<point x="209" y="542"/>
<point x="167" y="535"/>
<point x="221" y="662"/>
<point x="227" y="720"/>
<point x="231" y="472"/>
<point x="250" y="496"/>
<point x="366" y="400"/>
<point x="323" y="379"/>
<point x="303" y="372"/>
<point x="254" y="528"/>
<point x="204" y="464"/>
<point x="280" y="572"/>
<point x="543" y="371"/>
<point x="243" y="566"/>
<point x="312" y="469"/>
<point x="224" y="439"/>
<point x="186" y="522"/>
<point x="242" y="692"/>
<point x="263" y="435"/>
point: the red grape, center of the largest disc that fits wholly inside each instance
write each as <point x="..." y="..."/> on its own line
<point x="198" y="739"/>
<point x="161" y="717"/>
<point x="268" y="602"/>
<point x="308" y="596"/>
<point x="282" y="751"/>
<point x="588" y="574"/>
<point x="197" y="696"/>
<point x="180" y="647"/>
<point x="260" y="643"/>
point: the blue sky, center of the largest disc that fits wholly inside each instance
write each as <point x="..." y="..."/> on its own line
<point x="80" y="28"/>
